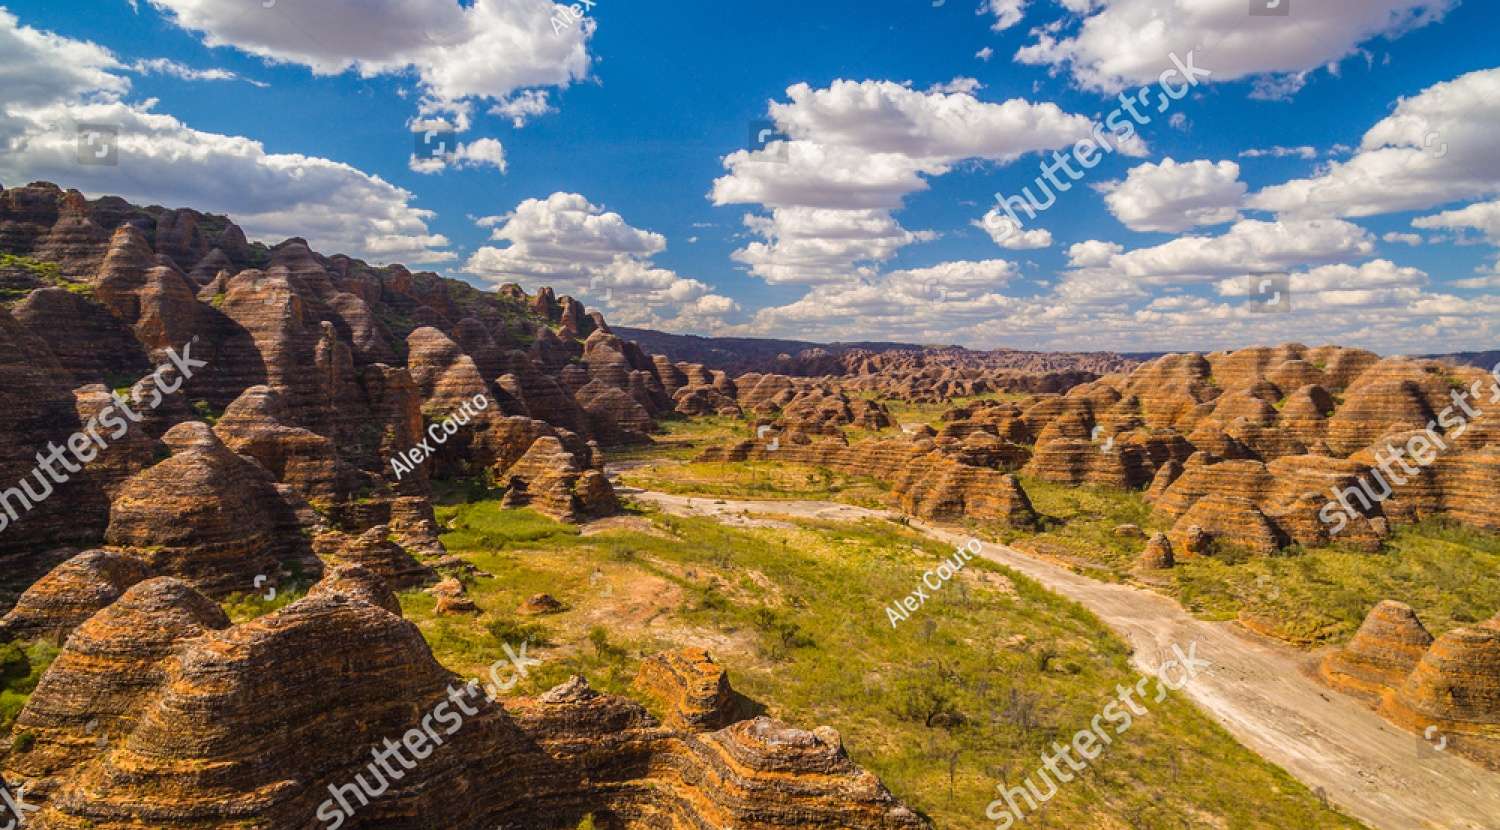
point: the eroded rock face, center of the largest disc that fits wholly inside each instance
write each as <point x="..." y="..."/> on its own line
<point x="191" y="758"/>
<point x="256" y="425"/>
<point x="71" y="593"/>
<point x="319" y="368"/>
<point x="157" y="712"/>
<point x="96" y="691"/>
<point x="1158" y="555"/>
<point x="614" y="415"/>
<point x="204" y="515"/>
<point x="75" y="242"/>
<point x="415" y="527"/>
<point x="1190" y="540"/>
<point x="929" y="484"/>
<point x="35" y="408"/>
<point x="1265" y="448"/>
<point x="375" y="550"/>
<point x="704" y="400"/>
<point x="554" y="482"/>
<point x="1388" y="645"/>
<point x="91" y="344"/>
<point x="693" y="688"/>
<point x="452" y="598"/>
<point x="1257" y="443"/>
<point x="819" y="410"/>
<point x="1455" y="687"/>
<point x="769" y="750"/>
<point x="359" y="583"/>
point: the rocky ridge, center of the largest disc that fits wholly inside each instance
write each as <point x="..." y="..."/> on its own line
<point x="1262" y="448"/>
<point x="928" y="483"/>
<point x="1444" y="690"/>
<point x="156" y="712"/>
<point x="325" y="395"/>
<point x="317" y="374"/>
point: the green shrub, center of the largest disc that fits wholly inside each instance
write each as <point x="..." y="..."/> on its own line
<point x="21" y="668"/>
<point x="513" y="632"/>
<point x="603" y="648"/>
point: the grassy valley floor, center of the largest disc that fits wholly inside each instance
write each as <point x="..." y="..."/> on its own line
<point x="1310" y="598"/>
<point x="945" y="706"/>
<point x="1449" y="574"/>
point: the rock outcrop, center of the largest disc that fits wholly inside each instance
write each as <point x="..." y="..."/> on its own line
<point x="156" y="712"/>
<point x="319" y="368"/>
<point x="71" y="593"/>
<point x="927" y="483"/>
<point x="204" y="515"/>
<point x="1263" y="448"/>
<point x="256" y="425"/>
<point x="1454" y="691"/>
<point x="376" y="551"/>
<point x="452" y="598"/>
<point x="1388" y="645"/>
<point x="693" y="689"/>
<point x="1158" y="555"/>
<point x="552" y="481"/>
<point x="97" y="690"/>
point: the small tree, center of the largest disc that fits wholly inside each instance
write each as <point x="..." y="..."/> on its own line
<point x="926" y="698"/>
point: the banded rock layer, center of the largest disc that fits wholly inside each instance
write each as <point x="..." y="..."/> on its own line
<point x="157" y="712"/>
<point x="1445" y="690"/>
<point x="928" y="483"/>
<point x="1385" y="649"/>
<point x="1266" y="447"/>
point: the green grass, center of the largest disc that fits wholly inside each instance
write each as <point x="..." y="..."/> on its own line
<point x="683" y="439"/>
<point x="1308" y="597"/>
<point x="245" y="607"/>
<point x="943" y="707"/>
<point x="207" y="413"/>
<point x="47" y="272"/>
<point x="21" y="667"/>
<point x="765" y="480"/>
<point x="906" y="412"/>
<point x="44" y="272"/>
<point x="1079" y="525"/>
<point x="1450" y="575"/>
<point x="487" y="526"/>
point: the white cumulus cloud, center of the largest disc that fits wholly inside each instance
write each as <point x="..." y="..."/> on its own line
<point x="994" y="224"/>
<point x="1436" y="147"/>
<point x="1125" y="43"/>
<point x="856" y="150"/>
<point x="580" y="248"/>
<point x="481" y="49"/>
<point x="1173" y="197"/>
<point x="50" y="85"/>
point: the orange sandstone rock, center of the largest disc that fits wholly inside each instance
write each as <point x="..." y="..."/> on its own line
<point x="1389" y="644"/>
<point x="1456" y="689"/>
<point x="694" y="689"/>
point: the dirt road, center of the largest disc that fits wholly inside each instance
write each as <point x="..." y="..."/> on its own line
<point x="1383" y="776"/>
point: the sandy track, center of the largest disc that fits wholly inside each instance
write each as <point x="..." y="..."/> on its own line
<point x="1256" y="689"/>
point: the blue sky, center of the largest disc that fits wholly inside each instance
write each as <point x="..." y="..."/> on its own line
<point x="631" y="185"/>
